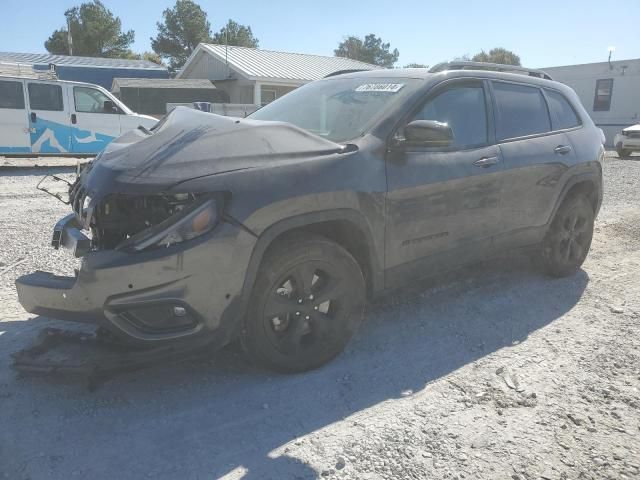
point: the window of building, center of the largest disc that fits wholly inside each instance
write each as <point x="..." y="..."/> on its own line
<point x="44" y="96"/>
<point x="267" y="96"/>
<point x="463" y="108"/>
<point x="602" y="98"/>
<point x="90" y="100"/>
<point x="562" y="113"/>
<point x="520" y="111"/>
<point x="11" y="95"/>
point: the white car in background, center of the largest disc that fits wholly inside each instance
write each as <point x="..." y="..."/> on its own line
<point x="628" y="141"/>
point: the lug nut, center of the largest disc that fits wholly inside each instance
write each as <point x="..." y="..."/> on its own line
<point x="307" y="317"/>
<point x="315" y="308"/>
<point x="297" y="313"/>
<point x="310" y="297"/>
<point x="299" y="300"/>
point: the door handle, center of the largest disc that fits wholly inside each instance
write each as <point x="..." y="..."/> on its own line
<point x="562" y="149"/>
<point x="486" y="161"/>
<point x="34" y="118"/>
<point x="74" y="119"/>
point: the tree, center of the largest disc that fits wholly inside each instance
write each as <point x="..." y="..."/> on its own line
<point x="95" y="32"/>
<point x="497" y="55"/>
<point x="152" y="57"/>
<point x="371" y="50"/>
<point x="235" y="34"/>
<point x="183" y="27"/>
<point x="416" y="65"/>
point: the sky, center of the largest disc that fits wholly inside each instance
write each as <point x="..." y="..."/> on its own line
<point x="543" y="33"/>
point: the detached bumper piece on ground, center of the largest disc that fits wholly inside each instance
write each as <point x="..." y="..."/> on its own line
<point x="94" y="358"/>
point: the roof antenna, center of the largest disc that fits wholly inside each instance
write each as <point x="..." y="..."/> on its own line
<point x="611" y="50"/>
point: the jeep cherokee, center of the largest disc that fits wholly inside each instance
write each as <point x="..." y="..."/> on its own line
<point x="275" y="229"/>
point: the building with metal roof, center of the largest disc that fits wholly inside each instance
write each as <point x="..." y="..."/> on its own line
<point x="152" y="96"/>
<point x="100" y="71"/>
<point x="255" y="76"/>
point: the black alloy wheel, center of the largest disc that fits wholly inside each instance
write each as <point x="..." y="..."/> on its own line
<point x="568" y="240"/>
<point x="306" y="304"/>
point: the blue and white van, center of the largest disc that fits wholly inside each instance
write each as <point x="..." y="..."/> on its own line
<point x="60" y="117"/>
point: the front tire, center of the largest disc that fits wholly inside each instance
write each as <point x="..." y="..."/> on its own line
<point x="566" y="244"/>
<point x="622" y="153"/>
<point x="306" y="304"/>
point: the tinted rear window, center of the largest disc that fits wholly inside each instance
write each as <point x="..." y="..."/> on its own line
<point x="43" y="96"/>
<point x="11" y="95"/>
<point x="562" y="113"/>
<point x="521" y="111"/>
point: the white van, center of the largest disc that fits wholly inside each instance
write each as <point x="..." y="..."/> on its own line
<point x="60" y="117"/>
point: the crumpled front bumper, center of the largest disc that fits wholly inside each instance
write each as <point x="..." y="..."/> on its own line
<point x="163" y="294"/>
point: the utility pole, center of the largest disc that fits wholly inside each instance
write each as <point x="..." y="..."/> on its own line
<point x="69" y="39"/>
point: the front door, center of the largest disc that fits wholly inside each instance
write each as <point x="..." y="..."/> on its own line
<point x="14" y="129"/>
<point x="95" y="120"/>
<point x="48" y="118"/>
<point x="444" y="203"/>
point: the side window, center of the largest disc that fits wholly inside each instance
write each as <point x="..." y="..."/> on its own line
<point x="43" y="96"/>
<point x="11" y="95"/>
<point x="464" y="109"/>
<point x="562" y="113"/>
<point x="520" y="111"/>
<point x="602" y="97"/>
<point x="90" y="100"/>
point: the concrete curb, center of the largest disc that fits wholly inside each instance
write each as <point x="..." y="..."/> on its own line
<point x="41" y="162"/>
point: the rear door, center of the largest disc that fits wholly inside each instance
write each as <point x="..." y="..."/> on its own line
<point x="48" y="117"/>
<point x="444" y="199"/>
<point x="14" y="128"/>
<point x="95" y="119"/>
<point x="535" y="156"/>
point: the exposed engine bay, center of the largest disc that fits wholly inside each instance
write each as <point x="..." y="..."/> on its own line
<point x="120" y="217"/>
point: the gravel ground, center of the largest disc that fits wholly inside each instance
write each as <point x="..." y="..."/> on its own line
<point x="496" y="373"/>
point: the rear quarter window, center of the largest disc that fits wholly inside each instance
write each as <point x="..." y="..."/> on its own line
<point x="562" y="113"/>
<point x="520" y="111"/>
<point x="11" y="95"/>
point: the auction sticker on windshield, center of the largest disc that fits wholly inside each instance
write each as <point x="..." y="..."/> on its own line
<point x="380" y="87"/>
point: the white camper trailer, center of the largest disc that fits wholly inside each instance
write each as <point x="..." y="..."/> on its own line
<point x="609" y="91"/>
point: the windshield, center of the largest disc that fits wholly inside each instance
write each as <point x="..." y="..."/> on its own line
<point x="337" y="109"/>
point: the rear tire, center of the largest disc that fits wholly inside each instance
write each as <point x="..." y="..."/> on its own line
<point x="567" y="243"/>
<point x="306" y="304"/>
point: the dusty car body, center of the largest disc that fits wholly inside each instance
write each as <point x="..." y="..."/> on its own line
<point x="627" y="141"/>
<point x="175" y="225"/>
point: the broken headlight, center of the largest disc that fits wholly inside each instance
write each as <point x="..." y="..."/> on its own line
<point x="188" y="223"/>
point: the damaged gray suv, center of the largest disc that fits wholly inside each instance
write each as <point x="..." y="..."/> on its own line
<point x="275" y="229"/>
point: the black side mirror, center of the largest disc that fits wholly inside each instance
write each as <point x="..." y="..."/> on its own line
<point x="429" y="133"/>
<point x="109" y="107"/>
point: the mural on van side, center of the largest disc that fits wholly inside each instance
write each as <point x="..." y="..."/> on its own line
<point x="53" y="137"/>
<point x="15" y="149"/>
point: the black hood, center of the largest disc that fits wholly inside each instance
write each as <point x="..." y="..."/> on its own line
<point x="189" y="144"/>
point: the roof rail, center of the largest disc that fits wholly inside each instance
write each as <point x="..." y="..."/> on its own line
<point x="23" y="70"/>
<point x="342" y="72"/>
<point x="494" y="67"/>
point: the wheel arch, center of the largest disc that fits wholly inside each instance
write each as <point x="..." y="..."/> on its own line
<point x="347" y="227"/>
<point x="588" y="184"/>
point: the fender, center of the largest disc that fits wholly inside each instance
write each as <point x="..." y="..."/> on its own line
<point x="307" y="219"/>
<point x="591" y="176"/>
